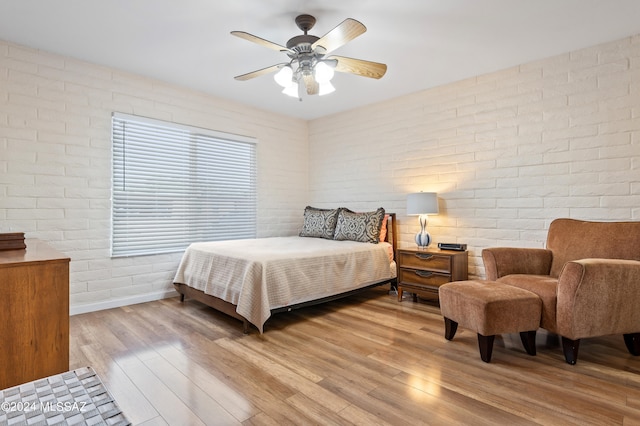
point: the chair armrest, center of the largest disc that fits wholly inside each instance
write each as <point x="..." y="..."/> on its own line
<point x="598" y="297"/>
<point x="501" y="261"/>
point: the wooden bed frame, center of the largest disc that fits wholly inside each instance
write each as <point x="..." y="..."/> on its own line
<point x="230" y="309"/>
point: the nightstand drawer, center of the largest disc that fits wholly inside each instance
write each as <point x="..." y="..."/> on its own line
<point x="425" y="278"/>
<point x="423" y="260"/>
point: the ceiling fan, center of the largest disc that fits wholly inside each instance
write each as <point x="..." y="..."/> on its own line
<point x="309" y="65"/>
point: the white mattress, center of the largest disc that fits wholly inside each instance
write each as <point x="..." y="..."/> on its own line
<point x="258" y="275"/>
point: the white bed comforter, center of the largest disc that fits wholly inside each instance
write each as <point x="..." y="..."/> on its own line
<point x="261" y="274"/>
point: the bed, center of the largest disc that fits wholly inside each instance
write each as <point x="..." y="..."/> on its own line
<point x="253" y="279"/>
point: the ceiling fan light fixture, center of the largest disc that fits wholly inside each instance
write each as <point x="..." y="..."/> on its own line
<point x="326" y="88"/>
<point x="291" y="89"/>
<point x="323" y="73"/>
<point x="310" y="70"/>
<point x="284" y="76"/>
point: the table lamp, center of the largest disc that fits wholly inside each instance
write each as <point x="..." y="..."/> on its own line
<point x="422" y="204"/>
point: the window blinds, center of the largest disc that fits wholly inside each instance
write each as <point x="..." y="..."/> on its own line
<point x="174" y="185"/>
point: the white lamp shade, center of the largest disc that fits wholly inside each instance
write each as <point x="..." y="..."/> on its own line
<point x="291" y="90"/>
<point x="323" y="73"/>
<point x="422" y="203"/>
<point x="283" y="77"/>
<point x="326" y="88"/>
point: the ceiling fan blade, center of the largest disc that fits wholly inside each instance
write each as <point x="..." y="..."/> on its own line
<point x="311" y="84"/>
<point x="261" y="41"/>
<point x="346" y="31"/>
<point x="360" y="67"/>
<point x="258" y="73"/>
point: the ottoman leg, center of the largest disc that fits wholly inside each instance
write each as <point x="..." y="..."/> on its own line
<point x="485" y="344"/>
<point x="529" y="341"/>
<point x="450" y="328"/>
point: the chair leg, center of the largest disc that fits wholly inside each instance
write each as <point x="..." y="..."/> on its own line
<point x="570" y="349"/>
<point x="632" y="341"/>
<point x="528" y="339"/>
<point x="485" y="344"/>
<point x="450" y="328"/>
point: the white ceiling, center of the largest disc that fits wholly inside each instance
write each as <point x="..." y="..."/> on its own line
<point x="425" y="43"/>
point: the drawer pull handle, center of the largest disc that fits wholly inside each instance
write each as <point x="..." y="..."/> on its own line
<point x="424" y="274"/>
<point x="423" y="256"/>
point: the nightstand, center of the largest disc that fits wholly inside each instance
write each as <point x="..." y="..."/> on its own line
<point x="422" y="272"/>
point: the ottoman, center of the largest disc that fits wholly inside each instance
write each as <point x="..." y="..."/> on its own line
<point x="490" y="308"/>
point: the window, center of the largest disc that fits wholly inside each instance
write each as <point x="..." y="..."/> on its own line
<point x="174" y="185"/>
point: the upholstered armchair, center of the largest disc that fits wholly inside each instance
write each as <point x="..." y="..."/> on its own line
<point x="588" y="278"/>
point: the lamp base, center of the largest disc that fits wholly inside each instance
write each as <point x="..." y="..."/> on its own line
<point x="423" y="239"/>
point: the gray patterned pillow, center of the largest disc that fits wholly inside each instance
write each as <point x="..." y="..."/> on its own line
<point x="362" y="227"/>
<point x="319" y="223"/>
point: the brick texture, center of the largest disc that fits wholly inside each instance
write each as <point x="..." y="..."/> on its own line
<point x="507" y="152"/>
<point x="55" y="164"/>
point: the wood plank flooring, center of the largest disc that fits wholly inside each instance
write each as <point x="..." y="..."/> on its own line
<point x="365" y="360"/>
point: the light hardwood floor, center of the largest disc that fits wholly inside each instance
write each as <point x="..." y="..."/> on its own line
<point x="364" y="360"/>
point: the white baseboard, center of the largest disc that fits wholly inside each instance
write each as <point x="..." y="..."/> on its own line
<point x="125" y="301"/>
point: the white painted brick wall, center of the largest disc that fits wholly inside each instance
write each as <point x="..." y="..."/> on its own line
<point x="507" y="152"/>
<point x="55" y="164"/>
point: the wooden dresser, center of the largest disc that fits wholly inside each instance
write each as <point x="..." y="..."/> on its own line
<point x="34" y="313"/>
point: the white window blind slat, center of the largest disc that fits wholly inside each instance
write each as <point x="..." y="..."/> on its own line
<point x="174" y="185"/>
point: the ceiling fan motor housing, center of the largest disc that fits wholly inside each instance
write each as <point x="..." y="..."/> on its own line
<point x="302" y="43"/>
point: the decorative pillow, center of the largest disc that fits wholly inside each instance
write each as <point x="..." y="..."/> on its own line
<point x="383" y="228"/>
<point x="319" y="223"/>
<point x="362" y="227"/>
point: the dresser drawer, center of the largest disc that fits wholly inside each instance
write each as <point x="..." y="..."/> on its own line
<point x="430" y="261"/>
<point x="423" y="278"/>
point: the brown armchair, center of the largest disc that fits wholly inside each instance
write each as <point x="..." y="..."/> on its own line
<point x="588" y="279"/>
